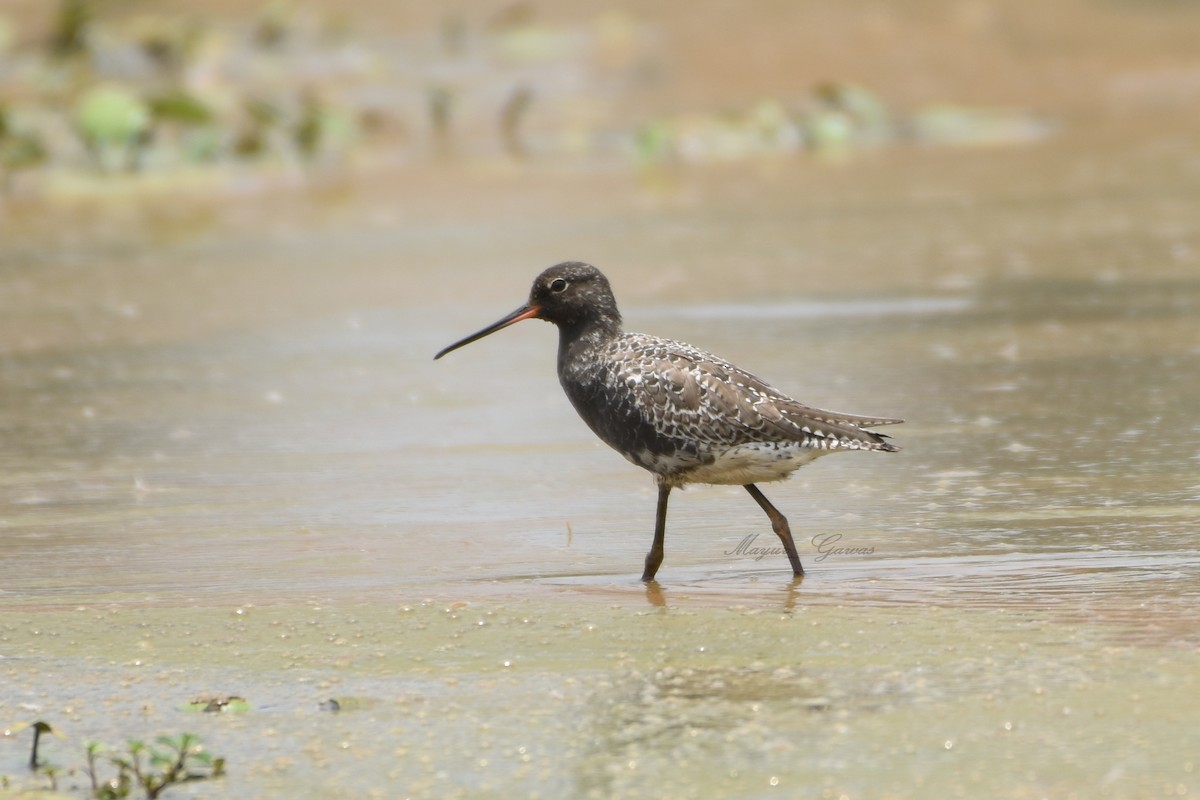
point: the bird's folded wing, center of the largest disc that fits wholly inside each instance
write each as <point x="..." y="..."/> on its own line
<point x="694" y="395"/>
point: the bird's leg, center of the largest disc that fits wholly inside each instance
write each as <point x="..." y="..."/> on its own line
<point x="655" y="556"/>
<point x="779" y="524"/>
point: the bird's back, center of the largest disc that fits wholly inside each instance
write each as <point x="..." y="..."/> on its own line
<point x="691" y="417"/>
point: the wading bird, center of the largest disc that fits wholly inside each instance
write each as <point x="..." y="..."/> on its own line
<point x="679" y="412"/>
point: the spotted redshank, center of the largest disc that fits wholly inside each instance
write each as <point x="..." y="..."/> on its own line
<point x="681" y="413"/>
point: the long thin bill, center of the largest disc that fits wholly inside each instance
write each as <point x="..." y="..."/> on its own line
<point x="524" y="312"/>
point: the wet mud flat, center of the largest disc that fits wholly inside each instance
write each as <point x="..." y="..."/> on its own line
<point x="602" y="698"/>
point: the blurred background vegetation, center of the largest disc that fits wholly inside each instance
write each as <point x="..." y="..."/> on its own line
<point x="154" y="94"/>
<point x="154" y="109"/>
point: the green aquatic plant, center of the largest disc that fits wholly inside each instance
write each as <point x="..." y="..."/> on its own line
<point x="19" y="150"/>
<point x="70" y="32"/>
<point x="309" y="131"/>
<point x="152" y="768"/>
<point x="274" y="25"/>
<point x="162" y="91"/>
<point x="260" y="117"/>
<point x="441" y="108"/>
<point x="38" y="765"/>
<point x="39" y="727"/>
<point x="514" y="111"/>
<point x="168" y="45"/>
<point x="217" y="704"/>
<point x="114" y="123"/>
<point x="179" y="107"/>
<point x="188" y="126"/>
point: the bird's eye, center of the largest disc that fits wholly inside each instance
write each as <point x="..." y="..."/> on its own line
<point x="558" y="285"/>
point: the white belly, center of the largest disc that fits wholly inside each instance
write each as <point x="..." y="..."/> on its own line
<point x="750" y="463"/>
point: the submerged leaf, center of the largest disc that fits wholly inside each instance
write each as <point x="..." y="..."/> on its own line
<point x="180" y="107"/>
<point x="112" y="114"/>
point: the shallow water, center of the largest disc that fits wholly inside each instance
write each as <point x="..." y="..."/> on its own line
<point x="230" y="466"/>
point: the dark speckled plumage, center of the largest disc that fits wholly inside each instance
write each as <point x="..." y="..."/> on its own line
<point x="679" y="412"/>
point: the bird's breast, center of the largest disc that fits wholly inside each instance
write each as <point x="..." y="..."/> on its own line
<point x="630" y="413"/>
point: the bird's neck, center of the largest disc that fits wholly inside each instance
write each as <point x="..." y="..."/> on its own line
<point x="575" y="340"/>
